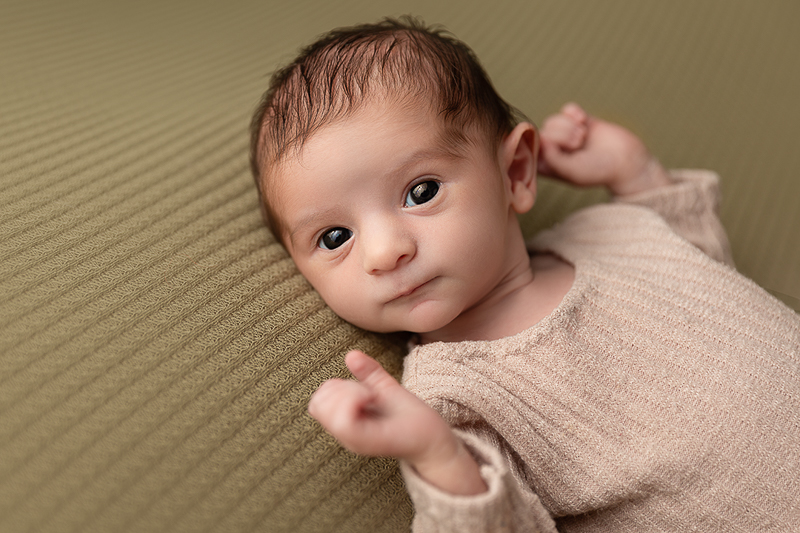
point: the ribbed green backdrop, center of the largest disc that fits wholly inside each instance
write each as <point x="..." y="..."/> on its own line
<point x="157" y="348"/>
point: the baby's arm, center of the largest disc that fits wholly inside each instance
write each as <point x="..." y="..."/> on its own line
<point x="584" y="150"/>
<point x="378" y="417"/>
<point x="587" y="151"/>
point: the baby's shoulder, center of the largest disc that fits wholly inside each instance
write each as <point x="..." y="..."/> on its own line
<point x="609" y="228"/>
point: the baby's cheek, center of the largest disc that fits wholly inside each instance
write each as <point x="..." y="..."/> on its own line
<point x="351" y="304"/>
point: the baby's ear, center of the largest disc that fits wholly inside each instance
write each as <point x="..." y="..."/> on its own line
<point x="518" y="153"/>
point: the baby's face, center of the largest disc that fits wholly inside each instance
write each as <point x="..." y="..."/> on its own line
<point x="396" y="230"/>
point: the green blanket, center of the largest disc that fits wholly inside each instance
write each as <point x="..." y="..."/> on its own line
<point x="157" y="348"/>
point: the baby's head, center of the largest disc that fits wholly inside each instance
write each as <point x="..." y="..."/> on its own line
<point x="384" y="157"/>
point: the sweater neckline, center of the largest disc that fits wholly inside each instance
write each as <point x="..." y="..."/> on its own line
<point x="554" y="320"/>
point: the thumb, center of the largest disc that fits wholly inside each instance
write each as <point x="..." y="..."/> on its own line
<point x="542" y="166"/>
<point x="368" y="371"/>
<point x="554" y="161"/>
<point x="564" y="164"/>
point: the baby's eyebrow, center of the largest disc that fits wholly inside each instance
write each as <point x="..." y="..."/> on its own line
<point x="312" y="219"/>
<point x="441" y="150"/>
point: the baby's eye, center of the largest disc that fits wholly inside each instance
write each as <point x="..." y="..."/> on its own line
<point x="421" y="193"/>
<point x="334" y="238"/>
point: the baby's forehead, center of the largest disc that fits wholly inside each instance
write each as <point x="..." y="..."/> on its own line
<point x="342" y="128"/>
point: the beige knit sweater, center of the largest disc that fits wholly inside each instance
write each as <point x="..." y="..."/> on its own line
<point x="663" y="394"/>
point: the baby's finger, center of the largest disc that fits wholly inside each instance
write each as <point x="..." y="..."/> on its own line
<point x="565" y="132"/>
<point x="576" y="113"/>
<point x="368" y="371"/>
<point x="322" y="398"/>
<point x="337" y="403"/>
<point x="559" y="163"/>
<point x="542" y="166"/>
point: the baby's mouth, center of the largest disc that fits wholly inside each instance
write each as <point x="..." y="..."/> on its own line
<point x="411" y="291"/>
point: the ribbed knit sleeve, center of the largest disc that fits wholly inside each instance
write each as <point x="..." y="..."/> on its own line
<point x="690" y="208"/>
<point x="508" y="506"/>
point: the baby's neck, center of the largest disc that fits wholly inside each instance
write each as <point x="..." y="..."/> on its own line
<point x="519" y="303"/>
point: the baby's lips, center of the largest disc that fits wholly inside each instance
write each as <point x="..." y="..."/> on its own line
<point x="412" y="290"/>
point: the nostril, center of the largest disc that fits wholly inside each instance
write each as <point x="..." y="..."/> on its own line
<point x="386" y="263"/>
<point x="384" y="251"/>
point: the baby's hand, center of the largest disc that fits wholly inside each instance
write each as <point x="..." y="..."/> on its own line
<point x="376" y="416"/>
<point x="586" y="151"/>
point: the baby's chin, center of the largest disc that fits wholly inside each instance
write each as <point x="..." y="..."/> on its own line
<point x="425" y="318"/>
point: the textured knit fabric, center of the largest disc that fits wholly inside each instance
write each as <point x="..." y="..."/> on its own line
<point x="158" y="348"/>
<point x="662" y="394"/>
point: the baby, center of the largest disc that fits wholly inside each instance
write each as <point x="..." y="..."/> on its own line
<point x="614" y="374"/>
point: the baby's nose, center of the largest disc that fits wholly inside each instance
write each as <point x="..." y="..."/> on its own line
<point x="385" y="251"/>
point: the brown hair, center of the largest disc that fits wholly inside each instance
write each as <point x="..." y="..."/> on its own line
<point x="334" y="75"/>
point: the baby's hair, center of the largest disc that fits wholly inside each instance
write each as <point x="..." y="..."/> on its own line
<point x="336" y="74"/>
